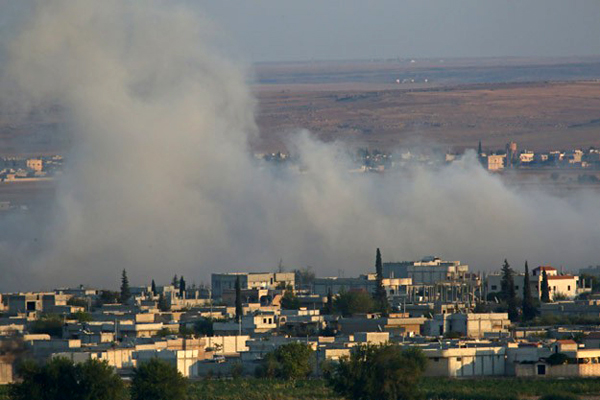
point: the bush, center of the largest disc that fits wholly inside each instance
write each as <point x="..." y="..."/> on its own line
<point x="290" y="361"/>
<point x="49" y="324"/>
<point x="348" y="303"/>
<point x="558" y="359"/>
<point x="60" y="379"/>
<point x="385" y="372"/>
<point x="157" y="379"/>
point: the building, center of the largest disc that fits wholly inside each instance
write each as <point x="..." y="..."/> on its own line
<point x="35" y="164"/>
<point x="466" y="362"/>
<point x="250" y="280"/>
<point x="472" y="325"/>
<point x="393" y="286"/>
<point x="428" y="271"/>
<point x="559" y="285"/>
<point x="495" y="162"/>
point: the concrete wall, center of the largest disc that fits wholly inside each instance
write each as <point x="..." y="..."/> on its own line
<point x="6" y="373"/>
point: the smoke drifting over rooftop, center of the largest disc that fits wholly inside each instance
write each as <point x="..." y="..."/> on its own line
<point x="160" y="179"/>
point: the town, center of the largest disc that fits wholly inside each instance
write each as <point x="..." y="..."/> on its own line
<point x="516" y="321"/>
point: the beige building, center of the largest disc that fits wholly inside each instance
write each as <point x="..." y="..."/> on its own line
<point x="35" y="164"/>
<point x="466" y="362"/>
<point x="495" y="162"/>
<point x="470" y="325"/>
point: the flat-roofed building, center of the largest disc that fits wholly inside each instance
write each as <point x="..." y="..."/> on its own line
<point x="250" y="280"/>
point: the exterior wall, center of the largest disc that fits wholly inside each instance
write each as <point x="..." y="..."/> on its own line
<point x="227" y="345"/>
<point x="557" y="371"/>
<point x="6" y="373"/>
<point x="466" y="362"/>
<point x="470" y="325"/>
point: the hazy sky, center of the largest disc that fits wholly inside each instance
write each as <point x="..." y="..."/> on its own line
<point x="272" y="30"/>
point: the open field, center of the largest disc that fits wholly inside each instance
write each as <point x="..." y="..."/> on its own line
<point x="538" y="116"/>
<point x="432" y="388"/>
<point x="540" y="103"/>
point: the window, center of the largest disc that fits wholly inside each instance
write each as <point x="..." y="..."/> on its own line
<point x="436" y="359"/>
<point x="516" y="287"/>
<point x="494" y="287"/>
<point x="569" y="288"/>
<point x="541" y="369"/>
<point x="459" y="359"/>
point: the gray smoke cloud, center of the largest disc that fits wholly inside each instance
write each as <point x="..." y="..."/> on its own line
<point x="161" y="181"/>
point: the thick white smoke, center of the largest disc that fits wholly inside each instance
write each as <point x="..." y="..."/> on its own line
<point x="160" y="180"/>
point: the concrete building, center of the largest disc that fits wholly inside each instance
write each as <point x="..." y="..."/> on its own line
<point x="35" y="164"/>
<point x="250" y="280"/>
<point x="563" y="285"/>
<point x="393" y="286"/>
<point x="470" y="325"/>
<point x="495" y="162"/>
<point x="428" y="271"/>
<point x="466" y="362"/>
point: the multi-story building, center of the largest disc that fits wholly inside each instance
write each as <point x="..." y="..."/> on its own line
<point x="393" y="286"/>
<point x="250" y="280"/>
<point x="428" y="271"/>
<point x="559" y="285"/>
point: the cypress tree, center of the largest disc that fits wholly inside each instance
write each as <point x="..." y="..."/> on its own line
<point x="329" y="304"/>
<point x="545" y="288"/>
<point x="125" y="290"/>
<point x="508" y="291"/>
<point x="175" y="282"/>
<point x="153" y="288"/>
<point x="529" y="310"/>
<point x="181" y="287"/>
<point x="238" y="300"/>
<point x="380" y="294"/>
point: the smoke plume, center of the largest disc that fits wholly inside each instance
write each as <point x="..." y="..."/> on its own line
<point x="160" y="179"/>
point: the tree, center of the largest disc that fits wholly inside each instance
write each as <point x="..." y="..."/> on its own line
<point x="385" y="372"/>
<point x="125" y="290"/>
<point x="153" y="288"/>
<point x="289" y="301"/>
<point x="60" y="379"/>
<point x="329" y="304"/>
<point x="304" y="277"/>
<point x="50" y="324"/>
<point x="353" y="302"/>
<point x="380" y="294"/>
<point x="289" y="361"/>
<point x="239" y="311"/>
<point x="545" y="295"/>
<point x="108" y="297"/>
<point x="163" y="305"/>
<point x="181" y="287"/>
<point x="175" y="282"/>
<point x="158" y="379"/>
<point x="529" y="310"/>
<point x="508" y="291"/>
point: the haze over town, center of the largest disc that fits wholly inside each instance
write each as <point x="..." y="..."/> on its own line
<point x="161" y="175"/>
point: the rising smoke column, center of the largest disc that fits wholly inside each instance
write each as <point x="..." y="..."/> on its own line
<point x="160" y="179"/>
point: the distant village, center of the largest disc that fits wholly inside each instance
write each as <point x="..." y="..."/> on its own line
<point x="543" y="322"/>
<point x="496" y="160"/>
<point x="28" y="169"/>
